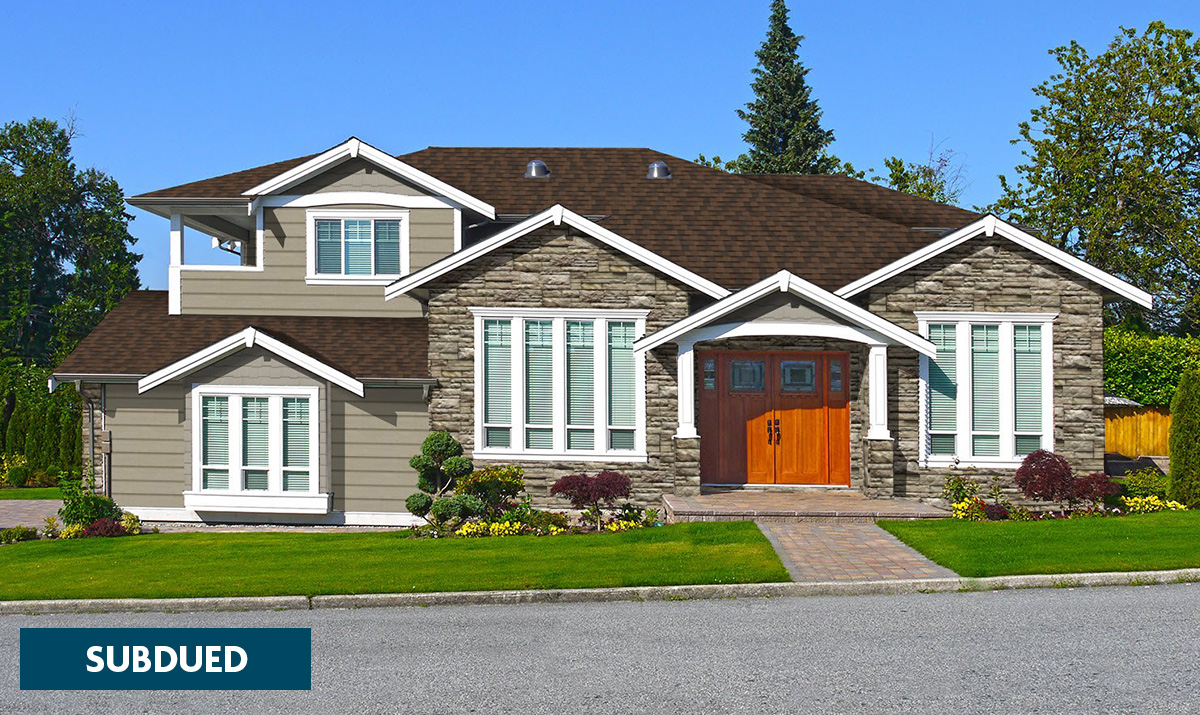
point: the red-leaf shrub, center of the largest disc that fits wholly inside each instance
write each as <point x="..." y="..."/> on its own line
<point x="1094" y="488"/>
<point x="584" y="491"/>
<point x="1047" y="476"/>
<point x="995" y="512"/>
<point x="104" y="527"/>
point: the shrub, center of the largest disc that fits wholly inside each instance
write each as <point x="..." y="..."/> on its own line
<point x="18" y="475"/>
<point x="971" y="509"/>
<point x="131" y="524"/>
<point x="71" y="531"/>
<point x="1148" y="482"/>
<point x="1147" y="368"/>
<point x="1017" y="512"/>
<point x="104" y="527"/>
<point x="17" y="533"/>
<point x="958" y="488"/>
<point x="1046" y="476"/>
<point x="498" y="486"/>
<point x="592" y="494"/>
<point x="440" y="462"/>
<point x="82" y="506"/>
<point x="995" y="512"/>
<point x="51" y="528"/>
<point x="418" y="504"/>
<point x="1094" y="488"/>
<point x="1185" y="441"/>
<point x="1149" y="505"/>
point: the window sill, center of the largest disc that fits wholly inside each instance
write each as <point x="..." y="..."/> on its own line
<point x="549" y="456"/>
<point x="974" y="464"/>
<point x="249" y="502"/>
<point x="331" y="280"/>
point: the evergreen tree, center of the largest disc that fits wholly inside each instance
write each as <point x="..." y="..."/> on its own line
<point x="14" y="435"/>
<point x="1185" y="441"/>
<point x="785" y="134"/>
<point x="35" y="436"/>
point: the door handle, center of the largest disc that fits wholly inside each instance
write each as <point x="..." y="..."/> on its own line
<point x="769" y="432"/>
<point x="777" y="431"/>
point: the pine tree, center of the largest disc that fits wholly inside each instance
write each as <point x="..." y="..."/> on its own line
<point x="14" y="435"/>
<point x="1185" y="441"/>
<point x="35" y="437"/>
<point x="785" y="134"/>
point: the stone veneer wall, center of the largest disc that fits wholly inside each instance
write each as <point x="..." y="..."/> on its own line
<point x="995" y="275"/>
<point x="553" y="268"/>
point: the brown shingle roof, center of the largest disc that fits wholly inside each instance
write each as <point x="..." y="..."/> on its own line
<point x="731" y="229"/>
<point x="138" y="337"/>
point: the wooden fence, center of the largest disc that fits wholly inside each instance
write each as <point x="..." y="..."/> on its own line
<point x="1137" y="431"/>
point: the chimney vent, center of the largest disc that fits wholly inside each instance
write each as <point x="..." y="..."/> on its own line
<point x="537" y="169"/>
<point x="658" y="170"/>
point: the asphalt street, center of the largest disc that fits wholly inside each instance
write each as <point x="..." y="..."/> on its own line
<point x="1131" y="649"/>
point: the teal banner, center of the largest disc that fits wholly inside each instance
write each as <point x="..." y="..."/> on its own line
<point x="166" y="659"/>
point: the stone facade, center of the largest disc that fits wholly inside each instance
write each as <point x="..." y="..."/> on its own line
<point x="995" y="275"/>
<point x="554" y="268"/>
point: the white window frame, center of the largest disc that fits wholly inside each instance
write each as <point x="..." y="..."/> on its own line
<point x="274" y="499"/>
<point x="559" y="318"/>
<point x="374" y="279"/>
<point x="963" y="321"/>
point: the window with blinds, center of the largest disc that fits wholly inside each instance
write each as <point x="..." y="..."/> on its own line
<point x="358" y="247"/>
<point x="1027" y="388"/>
<point x="985" y="390"/>
<point x="943" y="390"/>
<point x="271" y="445"/>
<point x="561" y="385"/>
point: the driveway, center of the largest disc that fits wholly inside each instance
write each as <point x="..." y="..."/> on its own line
<point x="1131" y="649"/>
<point x="27" y="512"/>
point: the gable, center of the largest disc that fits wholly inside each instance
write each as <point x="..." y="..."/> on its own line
<point x="782" y="308"/>
<point x="357" y="175"/>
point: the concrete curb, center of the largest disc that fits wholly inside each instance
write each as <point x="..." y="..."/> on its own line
<point x="605" y="595"/>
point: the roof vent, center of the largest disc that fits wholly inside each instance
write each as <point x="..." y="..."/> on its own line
<point x="537" y="169"/>
<point x="658" y="170"/>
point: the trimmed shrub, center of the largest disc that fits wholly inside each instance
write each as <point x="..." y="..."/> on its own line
<point x="17" y="533"/>
<point x="497" y="486"/>
<point x="104" y="527"/>
<point x="1185" y="441"/>
<point x="71" y="531"/>
<point x="1148" y="482"/>
<point x="18" y="475"/>
<point x="131" y="524"/>
<point x="958" y="488"/>
<point x="440" y="462"/>
<point x="1147" y="368"/>
<point x="418" y="504"/>
<point x="1046" y="476"/>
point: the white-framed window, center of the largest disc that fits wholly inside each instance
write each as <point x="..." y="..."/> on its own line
<point x="255" y="441"/>
<point x="559" y="384"/>
<point x="987" y="399"/>
<point x="368" y="246"/>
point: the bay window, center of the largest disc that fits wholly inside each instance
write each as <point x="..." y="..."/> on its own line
<point x="357" y="245"/>
<point x="986" y="398"/>
<point x="559" y="384"/>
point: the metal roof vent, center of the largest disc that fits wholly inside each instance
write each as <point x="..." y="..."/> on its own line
<point x="537" y="169"/>
<point x="658" y="170"/>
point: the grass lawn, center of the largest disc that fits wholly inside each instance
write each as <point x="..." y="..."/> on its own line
<point x="31" y="493"/>
<point x="270" y="564"/>
<point x="1166" y="540"/>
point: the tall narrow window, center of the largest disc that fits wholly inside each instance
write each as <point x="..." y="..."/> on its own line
<point x="943" y="391"/>
<point x="215" y="443"/>
<point x="357" y="247"/>
<point x="256" y="443"/>
<point x="539" y="384"/>
<point x="497" y="383"/>
<point x="622" y="386"/>
<point x="1027" y="388"/>
<point x="581" y="385"/>
<point x="985" y="390"/>
<point x="329" y="246"/>
<point x="387" y="247"/>
<point x="296" y="468"/>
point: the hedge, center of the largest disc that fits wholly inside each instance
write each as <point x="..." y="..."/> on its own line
<point x="1147" y="368"/>
<point x="44" y="428"/>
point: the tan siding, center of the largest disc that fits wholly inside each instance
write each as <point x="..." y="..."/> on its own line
<point x="280" y="288"/>
<point x="373" y="439"/>
<point x="148" y="464"/>
<point x="356" y="175"/>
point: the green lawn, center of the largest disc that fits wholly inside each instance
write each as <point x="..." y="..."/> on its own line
<point x="263" y="564"/>
<point x="1167" y="540"/>
<point x="31" y="493"/>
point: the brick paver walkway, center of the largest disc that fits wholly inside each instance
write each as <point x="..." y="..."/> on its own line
<point x="750" y="505"/>
<point x="27" y="512"/>
<point x="820" y="551"/>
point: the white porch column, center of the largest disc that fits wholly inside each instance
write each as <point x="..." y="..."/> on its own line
<point x="687" y="392"/>
<point x="174" y="300"/>
<point x="878" y="393"/>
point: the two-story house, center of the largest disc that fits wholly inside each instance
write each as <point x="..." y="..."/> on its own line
<point x="576" y="310"/>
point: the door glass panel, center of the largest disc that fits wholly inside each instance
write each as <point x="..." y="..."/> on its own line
<point x="710" y="374"/>
<point x="798" y="375"/>
<point x="747" y="375"/>
<point x="835" y="376"/>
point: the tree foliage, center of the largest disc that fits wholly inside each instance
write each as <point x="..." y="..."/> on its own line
<point x="1185" y="441"/>
<point x="1146" y="368"/>
<point x="785" y="135"/>
<point x="65" y="256"/>
<point x="1111" y="168"/>
<point x="941" y="177"/>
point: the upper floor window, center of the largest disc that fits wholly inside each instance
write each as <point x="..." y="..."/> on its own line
<point x="357" y="245"/>
<point x="987" y="398"/>
<point x="559" y="384"/>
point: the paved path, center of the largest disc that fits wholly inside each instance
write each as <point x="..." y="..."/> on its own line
<point x="1092" y="650"/>
<point x="795" y="505"/>
<point x="814" y="551"/>
<point x="27" y="512"/>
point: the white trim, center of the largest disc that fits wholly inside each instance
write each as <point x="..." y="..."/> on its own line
<point x="241" y="340"/>
<point x="784" y="328"/>
<point x="963" y="457"/>
<point x="174" y="282"/>
<point x="458" y="230"/>
<point x="594" y="314"/>
<point x="355" y="148"/>
<point x="556" y="215"/>
<point x="548" y="455"/>
<point x="877" y="393"/>
<point x="786" y="282"/>
<point x="337" y="198"/>
<point x="332" y="518"/>
<point x="685" y="371"/>
<point x="246" y="503"/>
<point x="990" y="225"/>
<point x="311" y="216"/>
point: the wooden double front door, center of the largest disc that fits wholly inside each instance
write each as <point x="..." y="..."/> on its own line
<point x="774" y="417"/>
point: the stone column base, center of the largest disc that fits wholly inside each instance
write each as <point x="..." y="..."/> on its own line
<point x="879" y="469"/>
<point x="687" y="466"/>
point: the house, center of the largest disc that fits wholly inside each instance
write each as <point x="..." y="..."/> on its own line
<point x="576" y="310"/>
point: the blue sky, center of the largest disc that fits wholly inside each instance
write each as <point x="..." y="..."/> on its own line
<point x="165" y="95"/>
